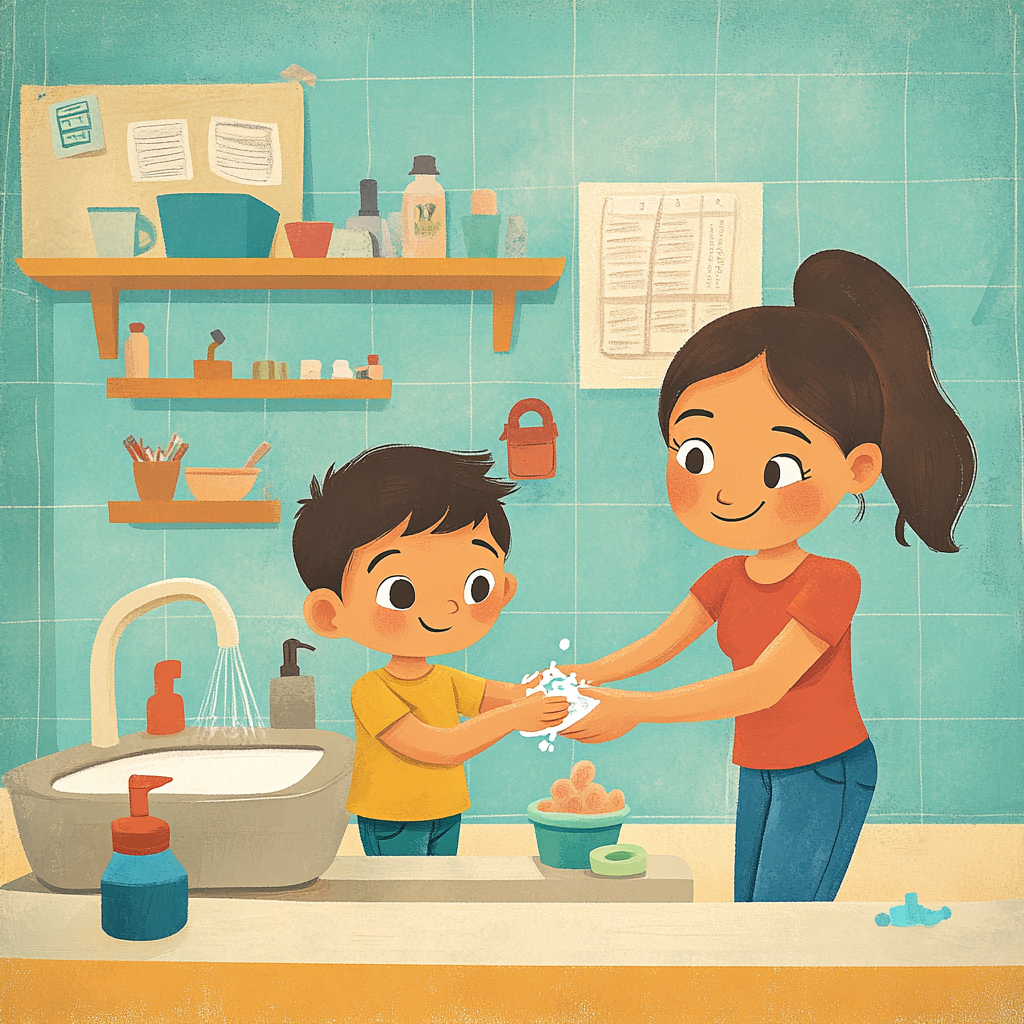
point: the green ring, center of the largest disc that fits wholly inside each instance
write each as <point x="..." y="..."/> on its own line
<point x="619" y="860"/>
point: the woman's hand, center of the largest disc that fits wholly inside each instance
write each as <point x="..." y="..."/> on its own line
<point x="538" y="712"/>
<point x="612" y="718"/>
<point x="584" y="674"/>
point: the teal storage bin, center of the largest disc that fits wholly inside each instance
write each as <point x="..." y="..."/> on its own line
<point x="225" y="225"/>
<point x="565" y="840"/>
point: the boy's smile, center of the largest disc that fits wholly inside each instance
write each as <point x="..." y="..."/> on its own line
<point x="417" y="596"/>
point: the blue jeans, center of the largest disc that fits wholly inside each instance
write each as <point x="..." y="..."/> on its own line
<point x="435" y="837"/>
<point x="796" y="827"/>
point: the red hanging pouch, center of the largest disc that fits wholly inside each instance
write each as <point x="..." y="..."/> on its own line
<point x="531" y="450"/>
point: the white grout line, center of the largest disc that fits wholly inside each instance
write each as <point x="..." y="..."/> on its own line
<point x="906" y="190"/>
<point x="369" y="150"/>
<point x="1017" y="350"/>
<point x="39" y="576"/>
<point x="472" y="296"/>
<point x="472" y="28"/>
<point x="799" y="245"/>
<point x="46" y="54"/>
<point x="574" y="330"/>
<point x="676" y="74"/>
<point x="920" y="681"/>
<point x="718" y="35"/>
<point x="7" y="149"/>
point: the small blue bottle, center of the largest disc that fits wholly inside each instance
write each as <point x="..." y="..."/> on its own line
<point x="144" y="890"/>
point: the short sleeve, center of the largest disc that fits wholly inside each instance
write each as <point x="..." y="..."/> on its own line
<point x="375" y="705"/>
<point x="712" y="587"/>
<point x="826" y="603"/>
<point x="469" y="692"/>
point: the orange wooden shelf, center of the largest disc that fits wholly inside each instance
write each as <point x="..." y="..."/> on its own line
<point x="188" y="387"/>
<point x="194" y="511"/>
<point x="105" y="279"/>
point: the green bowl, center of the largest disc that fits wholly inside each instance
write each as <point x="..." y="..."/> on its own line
<point x="565" y="840"/>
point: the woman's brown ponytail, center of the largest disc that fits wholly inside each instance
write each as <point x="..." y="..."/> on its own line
<point x="928" y="457"/>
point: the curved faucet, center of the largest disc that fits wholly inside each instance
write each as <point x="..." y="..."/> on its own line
<point x="127" y="610"/>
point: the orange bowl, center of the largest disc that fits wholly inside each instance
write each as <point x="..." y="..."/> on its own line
<point x="220" y="484"/>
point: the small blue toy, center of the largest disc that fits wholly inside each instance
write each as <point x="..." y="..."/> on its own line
<point x="911" y="913"/>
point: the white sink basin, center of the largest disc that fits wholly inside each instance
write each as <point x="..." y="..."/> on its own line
<point x="245" y="771"/>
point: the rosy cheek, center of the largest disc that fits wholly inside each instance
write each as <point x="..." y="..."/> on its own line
<point x="486" y="612"/>
<point x="684" y="489"/>
<point x="800" y="503"/>
<point x="388" y="622"/>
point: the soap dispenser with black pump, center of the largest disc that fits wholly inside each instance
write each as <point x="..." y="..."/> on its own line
<point x="292" y="696"/>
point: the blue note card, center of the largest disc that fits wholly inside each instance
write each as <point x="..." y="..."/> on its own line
<point x="75" y="126"/>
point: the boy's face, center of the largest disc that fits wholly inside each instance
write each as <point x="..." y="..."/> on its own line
<point x="417" y="596"/>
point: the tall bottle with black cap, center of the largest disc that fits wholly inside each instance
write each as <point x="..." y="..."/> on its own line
<point x="423" y="212"/>
<point x="292" y="696"/>
<point x="369" y="216"/>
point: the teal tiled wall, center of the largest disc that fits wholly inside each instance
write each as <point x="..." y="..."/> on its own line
<point x="886" y="128"/>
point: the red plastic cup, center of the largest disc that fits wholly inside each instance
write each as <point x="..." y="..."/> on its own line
<point x="309" y="238"/>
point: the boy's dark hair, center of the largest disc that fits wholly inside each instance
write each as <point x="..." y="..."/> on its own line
<point x="381" y="488"/>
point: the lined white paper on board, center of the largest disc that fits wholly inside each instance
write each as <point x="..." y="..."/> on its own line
<point x="159" y="150"/>
<point x="657" y="262"/>
<point x="247" y="152"/>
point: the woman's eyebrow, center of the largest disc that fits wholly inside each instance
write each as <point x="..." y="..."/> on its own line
<point x="693" y="412"/>
<point x="794" y="432"/>
<point x="383" y="554"/>
<point x="484" y="544"/>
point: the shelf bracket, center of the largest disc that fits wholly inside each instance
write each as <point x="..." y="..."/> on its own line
<point x="503" y="313"/>
<point x="105" y="296"/>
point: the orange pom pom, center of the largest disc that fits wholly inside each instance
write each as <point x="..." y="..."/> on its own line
<point x="616" y="800"/>
<point x="562" y="790"/>
<point x="582" y="774"/>
<point x="574" y="805"/>
<point x="547" y="805"/>
<point x="594" y="798"/>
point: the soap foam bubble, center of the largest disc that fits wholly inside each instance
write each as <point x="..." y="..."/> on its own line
<point x="553" y="682"/>
<point x="564" y="643"/>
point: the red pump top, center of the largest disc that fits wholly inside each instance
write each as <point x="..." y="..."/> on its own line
<point x="165" y="710"/>
<point x="141" y="834"/>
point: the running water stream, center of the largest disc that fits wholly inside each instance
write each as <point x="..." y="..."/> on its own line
<point x="229" y="702"/>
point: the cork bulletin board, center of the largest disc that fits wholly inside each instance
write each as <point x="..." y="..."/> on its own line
<point x="56" y="192"/>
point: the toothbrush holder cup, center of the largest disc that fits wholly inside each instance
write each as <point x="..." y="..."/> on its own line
<point x="156" y="481"/>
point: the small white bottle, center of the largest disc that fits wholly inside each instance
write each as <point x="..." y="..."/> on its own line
<point x="423" y="212"/>
<point x="136" y="352"/>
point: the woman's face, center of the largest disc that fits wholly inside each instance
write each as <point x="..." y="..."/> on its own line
<point x="745" y="471"/>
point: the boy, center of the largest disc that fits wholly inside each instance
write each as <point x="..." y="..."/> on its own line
<point x="403" y="550"/>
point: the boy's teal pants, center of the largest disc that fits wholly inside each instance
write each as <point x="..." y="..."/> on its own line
<point x="435" y="837"/>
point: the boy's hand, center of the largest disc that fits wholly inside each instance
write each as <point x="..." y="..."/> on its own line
<point x="538" y="712"/>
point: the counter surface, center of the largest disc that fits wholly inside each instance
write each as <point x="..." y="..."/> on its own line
<point x="45" y="925"/>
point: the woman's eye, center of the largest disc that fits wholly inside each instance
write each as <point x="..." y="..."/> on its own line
<point x="696" y="456"/>
<point x="396" y="592"/>
<point x="783" y="470"/>
<point x="479" y="585"/>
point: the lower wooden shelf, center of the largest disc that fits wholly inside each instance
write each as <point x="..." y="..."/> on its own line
<point x="194" y="511"/>
<point x="242" y="387"/>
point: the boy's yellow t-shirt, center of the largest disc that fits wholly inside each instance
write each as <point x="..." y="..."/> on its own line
<point x="384" y="783"/>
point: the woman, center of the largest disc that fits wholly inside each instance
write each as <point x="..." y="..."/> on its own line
<point x="772" y="415"/>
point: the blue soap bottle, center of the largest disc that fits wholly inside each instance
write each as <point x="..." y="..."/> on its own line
<point x="144" y="890"/>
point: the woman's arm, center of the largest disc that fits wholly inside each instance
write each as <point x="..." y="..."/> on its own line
<point x="675" y="634"/>
<point x="742" y="692"/>
<point x="427" y="743"/>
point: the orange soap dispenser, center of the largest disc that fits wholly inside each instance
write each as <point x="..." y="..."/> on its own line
<point x="165" y="710"/>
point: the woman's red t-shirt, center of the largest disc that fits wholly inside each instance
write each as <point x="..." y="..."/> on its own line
<point x="818" y="716"/>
